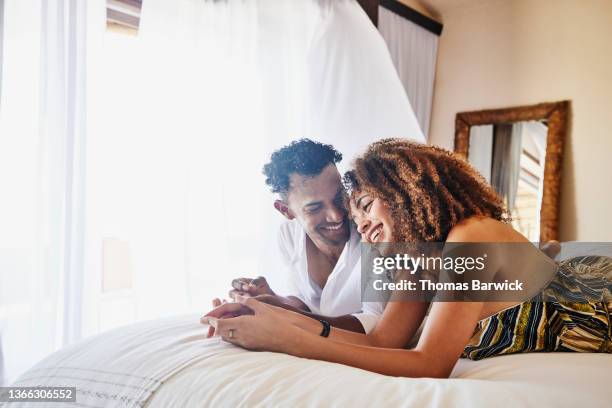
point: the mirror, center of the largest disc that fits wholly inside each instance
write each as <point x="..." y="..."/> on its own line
<point x="519" y="152"/>
<point x="511" y="158"/>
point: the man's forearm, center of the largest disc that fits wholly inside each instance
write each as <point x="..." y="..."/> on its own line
<point x="345" y="322"/>
<point x="293" y="303"/>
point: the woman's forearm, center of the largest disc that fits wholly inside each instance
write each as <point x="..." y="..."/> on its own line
<point x="346" y="323"/>
<point x="395" y="329"/>
<point x="385" y="334"/>
<point x="315" y="327"/>
<point x="394" y="362"/>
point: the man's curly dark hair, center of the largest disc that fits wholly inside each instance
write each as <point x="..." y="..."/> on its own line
<point x="304" y="157"/>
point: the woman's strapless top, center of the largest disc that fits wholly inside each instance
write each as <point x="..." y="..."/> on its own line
<point x="571" y="314"/>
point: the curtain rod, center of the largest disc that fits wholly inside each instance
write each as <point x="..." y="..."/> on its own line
<point x="412" y="15"/>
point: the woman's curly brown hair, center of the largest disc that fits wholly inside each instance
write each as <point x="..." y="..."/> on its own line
<point x="428" y="189"/>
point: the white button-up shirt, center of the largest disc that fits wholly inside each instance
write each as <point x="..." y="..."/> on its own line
<point x="342" y="292"/>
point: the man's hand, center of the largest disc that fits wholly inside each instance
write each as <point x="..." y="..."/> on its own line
<point x="250" y="287"/>
<point x="277" y="301"/>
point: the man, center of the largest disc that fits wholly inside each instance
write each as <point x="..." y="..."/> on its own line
<point x="318" y="243"/>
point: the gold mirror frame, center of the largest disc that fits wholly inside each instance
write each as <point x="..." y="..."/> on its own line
<point x="556" y="116"/>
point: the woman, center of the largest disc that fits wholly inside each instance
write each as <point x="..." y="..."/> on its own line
<point x="406" y="192"/>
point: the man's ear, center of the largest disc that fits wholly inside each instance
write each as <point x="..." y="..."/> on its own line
<point x="283" y="208"/>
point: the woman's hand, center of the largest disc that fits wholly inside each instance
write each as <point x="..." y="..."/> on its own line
<point x="222" y="310"/>
<point x="266" y="329"/>
<point x="226" y="310"/>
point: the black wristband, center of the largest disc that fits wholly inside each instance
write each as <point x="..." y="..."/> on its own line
<point x="326" y="328"/>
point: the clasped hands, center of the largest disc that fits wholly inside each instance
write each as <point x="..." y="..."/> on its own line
<point x="254" y="320"/>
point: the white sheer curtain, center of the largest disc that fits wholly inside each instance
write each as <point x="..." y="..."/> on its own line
<point x="42" y="123"/>
<point x="537" y="133"/>
<point x="413" y="51"/>
<point x="3" y="381"/>
<point x="216" y="86"/>
<point x="480" y="152"/>
<point x="506" y="161"/>
<point x="179" y="122"/>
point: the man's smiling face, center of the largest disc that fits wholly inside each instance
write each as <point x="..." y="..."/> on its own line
<point x="319" y="205"/>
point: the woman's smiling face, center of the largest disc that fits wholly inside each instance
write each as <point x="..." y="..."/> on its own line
<point x="373" y="218"/>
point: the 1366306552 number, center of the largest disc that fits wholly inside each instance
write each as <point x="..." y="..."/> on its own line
<point x="37" y="394"/>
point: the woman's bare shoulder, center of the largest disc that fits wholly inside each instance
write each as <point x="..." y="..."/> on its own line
<point x="483" y="229"/>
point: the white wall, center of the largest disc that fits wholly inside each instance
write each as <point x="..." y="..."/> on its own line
<point x="520" y="52"/>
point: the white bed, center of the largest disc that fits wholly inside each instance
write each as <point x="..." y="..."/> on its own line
<point x="169" y="363"/>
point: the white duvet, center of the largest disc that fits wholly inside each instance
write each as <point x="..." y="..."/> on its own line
<point x="169" y="363"/>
